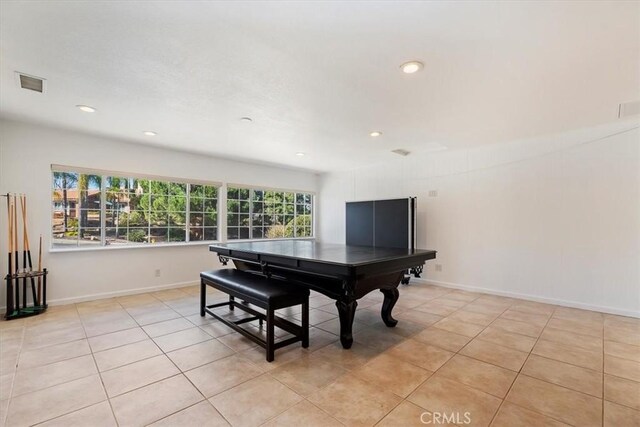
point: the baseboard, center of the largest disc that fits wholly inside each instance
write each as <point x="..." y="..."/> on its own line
<point x="564" y="303"/>
<point x="121" y="293"/>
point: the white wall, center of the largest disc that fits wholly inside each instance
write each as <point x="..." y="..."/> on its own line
<point x="26" y="155"/>
<point x="555" y="219"/>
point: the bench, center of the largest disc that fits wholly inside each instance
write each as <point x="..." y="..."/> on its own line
<point x="269" y="294"/>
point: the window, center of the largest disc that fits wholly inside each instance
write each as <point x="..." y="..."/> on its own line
<point x="102" y="209"/>
<point x="268" y="214"/>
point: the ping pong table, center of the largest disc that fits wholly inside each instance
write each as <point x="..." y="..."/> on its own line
<point x="343" y="273"/>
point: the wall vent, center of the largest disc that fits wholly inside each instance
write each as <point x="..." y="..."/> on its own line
<point x="629" y="109"/>
<point x="33" y="83"/>
<point x="401" y="152"/>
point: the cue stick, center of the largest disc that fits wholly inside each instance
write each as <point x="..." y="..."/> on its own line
<point x="26" y="253"/>
<point x="40" y="270"/>
<point x="10" y="263"/>
<point x="16" y="249"/>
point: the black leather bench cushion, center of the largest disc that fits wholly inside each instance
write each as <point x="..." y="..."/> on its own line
<point x="256" y="288"/>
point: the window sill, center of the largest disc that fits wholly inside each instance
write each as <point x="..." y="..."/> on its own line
<point x="163" y="245"/>
<point x="89" y="248"/>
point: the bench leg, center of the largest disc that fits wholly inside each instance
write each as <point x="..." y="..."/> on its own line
<point x="203" y="297"/>
<point x="270" y="335"/>
<point x="305" y="324"/>
<point x="231" y="299"/>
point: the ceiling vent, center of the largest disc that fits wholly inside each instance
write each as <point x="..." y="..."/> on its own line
<point x="33" y="83"/>
<point x="401" y="152"/>
<point x="629" y="109"/>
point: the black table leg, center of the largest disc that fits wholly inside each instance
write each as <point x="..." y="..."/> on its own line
<point x="346" y="311"/>
<point x="390" y="298"/>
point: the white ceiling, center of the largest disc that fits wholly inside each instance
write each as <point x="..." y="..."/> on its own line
<point x="317" y="77"/>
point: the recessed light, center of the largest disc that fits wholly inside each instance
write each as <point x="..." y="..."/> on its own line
<point x="86" y="108"/>
<point x="149" y="133"/>
<point x="375" y="133"/>
<point x="246" y="119"/>
<point x="300" y="154"/>
<point x="411" y="67"/>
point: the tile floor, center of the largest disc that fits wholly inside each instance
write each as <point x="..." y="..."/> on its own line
<point x="151" y="359"/>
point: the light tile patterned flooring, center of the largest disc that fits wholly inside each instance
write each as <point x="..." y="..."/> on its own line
<point x="151" y="359"/>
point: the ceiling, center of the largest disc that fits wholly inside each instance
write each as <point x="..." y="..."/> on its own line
<point x="318" y="77"/>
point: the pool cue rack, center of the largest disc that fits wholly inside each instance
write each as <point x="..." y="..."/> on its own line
<point x="18" y="307"/>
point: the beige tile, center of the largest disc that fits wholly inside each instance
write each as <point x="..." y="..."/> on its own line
<point x="571" y="338"/>
<point x="117" y="339"/>
<point x="199" y="354"/>
<point x="319" y="338"/>
<point x="623" y="368"/>
<point x="508" y="339"/>
<point x="564" y="374"/>
<point x="442" y="395"/>
<point x="30" y="380"/>
<point x="48" y="403"/>
<point x="585" y="316"/>
<point x="423" y="355"/>
<point x="510" y="415"/>
<point x="307" y="375"/>
<point x="484" y="308"/>
<point x="577" y="327"/>
<point x="257" y="356"/>
<point x="391" y="374"/>
<point x="408" y="414"/>
<point x="169" y="294"/>
<point x="303" y="414"/>
<point x="460" y="295"/>
<point x="348" y="359"/>
<point x="458" y="327"/>
<point x="167" y="327"/>
<point x="264" y="395"/>
<point x="155" y="401"/>
<point x="534" y="307"/>
<point x="566" y="405"/>
<point x="473" y="317"/>
<point x="6" y="384"/>
<point x="154" y="315"/>
<point x="627" y="335"/>
<point x="200" y="414"/>
<point x="622" y="391"/>
<point x="333" y="326"/>
<point x="569" y="354"/>
<point x="56" y="353"/>
<point x="100" y="415"/>
<point x="443" y="339"/>
<point x="479" y="375"/>
<point x="120" y="356"/>
<point x="617" y="416"/>
<point x="380" y="339"/>
<point x="450" y="302"/>
<point x="49" y="338"/>
<point x="218" y="376"/>
<point x="236" y="342"/>
<point x="353" y="401"/>
<point x="198" y="320"/>
<point x="495" y="354"/>
<point x="517" y="327"/>
<point x="181" y="339"/>
<point x="138" y="374"/>
<point x="532" y="319"/>
<point x="217" y="329"/>
<point x="434" y="307"/>
<point x="419" y="317"/>
<point x="622" y="350"/>
<point x="101" y="327"/>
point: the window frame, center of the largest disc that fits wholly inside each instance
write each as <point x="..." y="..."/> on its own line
<point x="104" y="174"/>
<point x="221" y="210"/>
<point x="253" y="188"/>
